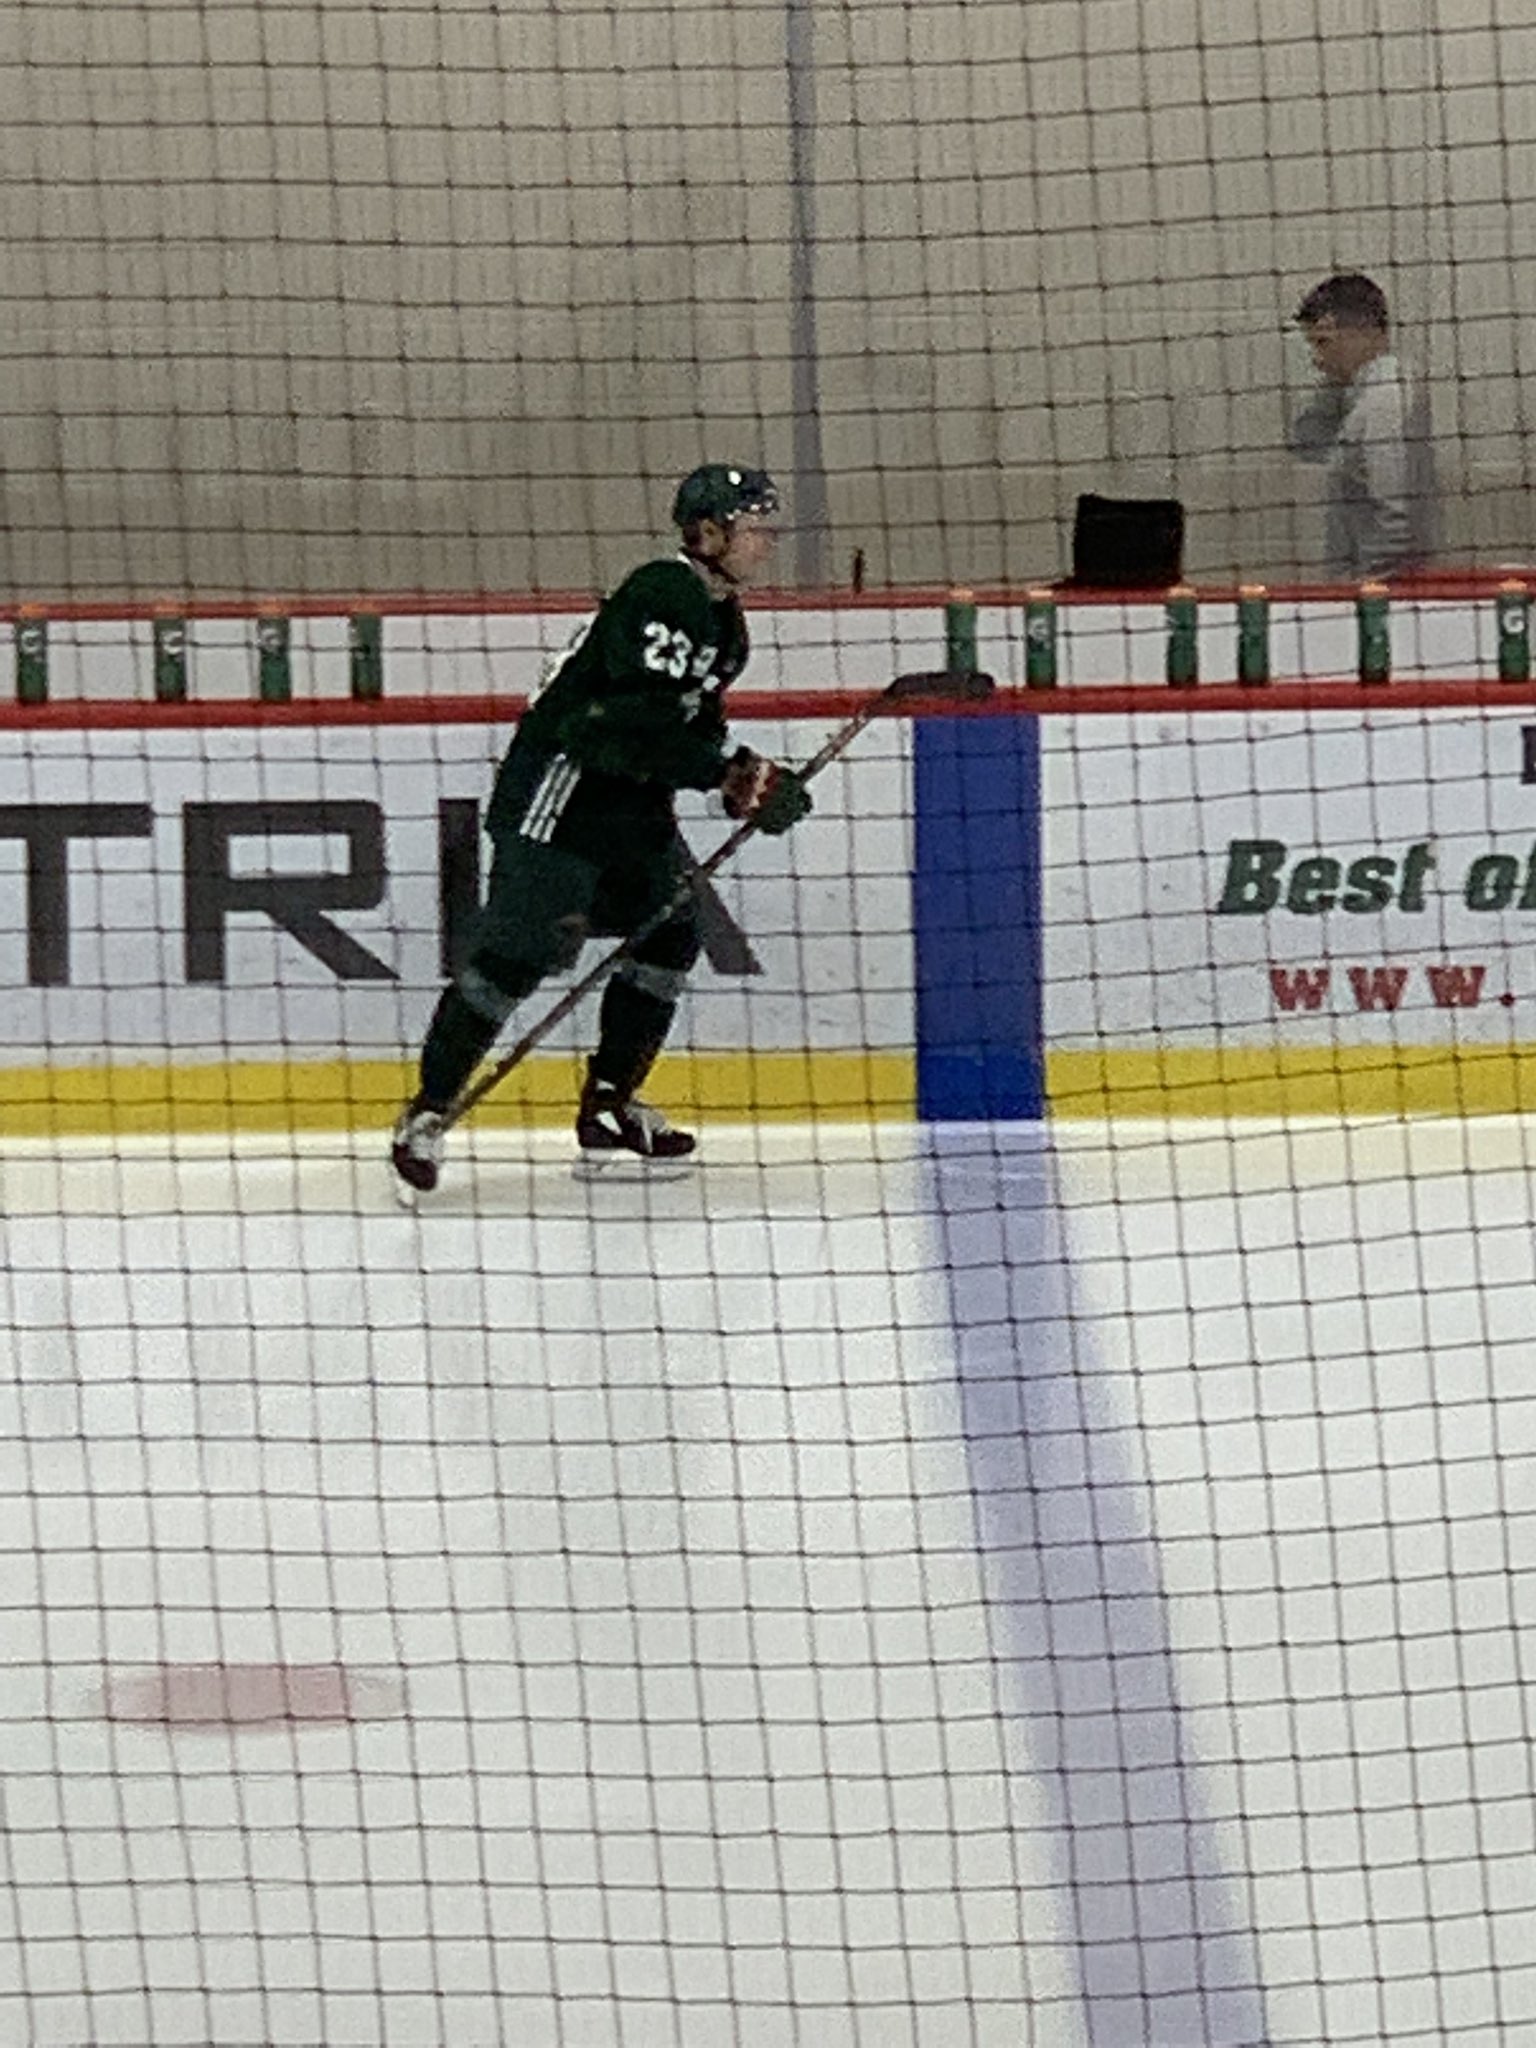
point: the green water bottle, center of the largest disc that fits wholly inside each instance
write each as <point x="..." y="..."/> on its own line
<point x="170" y="639"/>
<point x="274" y="663"/>
<point x="1514" y="613"/>
<point x="365" y="651"/>
<point x="1040" y="639"/>
<point x="1183" y="619"/>
<point x="960" y="632"/>
<point x="1253" y="634"/>
<point x="1374" y="633"/>
<point x="31" y="655"/>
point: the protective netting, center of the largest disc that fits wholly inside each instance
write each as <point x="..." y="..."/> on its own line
<point x="415" y="296"/>
<point x="1029" y="1542"/>
<point x="958" y="1580"/>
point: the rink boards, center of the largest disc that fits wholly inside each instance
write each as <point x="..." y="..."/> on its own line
<point x="253" y="924"/>
<point x="1293" y="912"/>
<point x="1155" y="912"/>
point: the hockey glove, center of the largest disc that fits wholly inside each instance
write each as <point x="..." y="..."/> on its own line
<point x="772" y="796"/>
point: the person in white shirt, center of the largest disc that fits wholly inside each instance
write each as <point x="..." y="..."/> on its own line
<point x="1370" y="423"/>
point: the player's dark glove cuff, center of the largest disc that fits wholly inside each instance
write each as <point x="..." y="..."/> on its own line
<point x="773" y="797"/>
<point x="784" y="802"/>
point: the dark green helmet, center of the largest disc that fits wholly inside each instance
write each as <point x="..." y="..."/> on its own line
<point x="722" y="490"/>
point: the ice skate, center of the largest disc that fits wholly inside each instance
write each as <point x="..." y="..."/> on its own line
<point x="416" y="1153"/>
<point x="619" y="1137"/>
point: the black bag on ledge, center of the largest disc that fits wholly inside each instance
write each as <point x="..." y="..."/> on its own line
<point x="1127" y="543"/>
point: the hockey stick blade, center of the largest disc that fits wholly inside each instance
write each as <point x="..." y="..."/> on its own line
<point x="959" y="685"/>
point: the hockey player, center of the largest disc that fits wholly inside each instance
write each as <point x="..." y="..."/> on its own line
<point x="584" y="831"/>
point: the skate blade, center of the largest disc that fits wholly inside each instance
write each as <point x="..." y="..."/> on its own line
<point x="631" y="1168"/>
<point x="406" y="1193"/>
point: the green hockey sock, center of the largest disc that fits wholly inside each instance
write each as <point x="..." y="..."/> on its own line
<point x="633" y="1027"/>
<point x="458" y="1039"/>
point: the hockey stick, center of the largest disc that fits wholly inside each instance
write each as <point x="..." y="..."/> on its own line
<point x="726" y="946"/>
<point x="937" y="685"/>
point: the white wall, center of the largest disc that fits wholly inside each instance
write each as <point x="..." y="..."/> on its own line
<point x="385" y="296"/>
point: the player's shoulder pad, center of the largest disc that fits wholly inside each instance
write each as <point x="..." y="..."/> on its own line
<point x="669" y="589"/>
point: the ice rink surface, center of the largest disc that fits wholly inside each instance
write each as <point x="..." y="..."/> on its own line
<point x="971" y="1589"/>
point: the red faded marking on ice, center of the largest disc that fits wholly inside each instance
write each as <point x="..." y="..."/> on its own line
<point x="250" y="1695"/>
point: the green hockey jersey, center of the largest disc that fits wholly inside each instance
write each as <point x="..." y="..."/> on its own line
<point x="638" y="693"/>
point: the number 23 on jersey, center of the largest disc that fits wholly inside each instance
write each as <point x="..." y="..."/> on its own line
<point x="668" y="652"/>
